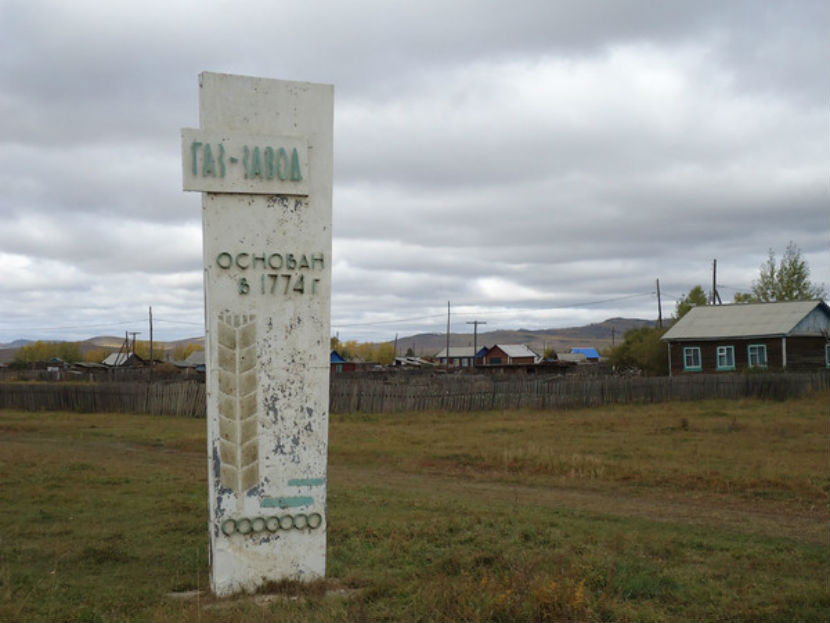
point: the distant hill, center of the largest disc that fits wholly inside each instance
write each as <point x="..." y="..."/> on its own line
<point x="102" y="341"/>
<point x="598" y="335"/>
<point x="15" y="344"/>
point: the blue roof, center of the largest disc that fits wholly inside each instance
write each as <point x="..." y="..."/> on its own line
<point x="336" y="358"/>
<point x="589" y="352"/>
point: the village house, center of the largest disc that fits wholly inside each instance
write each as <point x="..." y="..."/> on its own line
<point x="510" y="355"/>
<point x="121" y="359"/>
<point x="591" y="353"/>
<point x="339" y="364"/>
<point x="459" y="357"/>
<point x="793" y="335"/>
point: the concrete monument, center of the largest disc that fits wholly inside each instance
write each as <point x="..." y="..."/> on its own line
<point x="262" y="158"/>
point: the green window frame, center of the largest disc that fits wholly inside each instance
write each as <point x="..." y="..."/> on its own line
<point x="691" y="359"/>
<point x="756" y="355"/>
<point x="725" y="357"/>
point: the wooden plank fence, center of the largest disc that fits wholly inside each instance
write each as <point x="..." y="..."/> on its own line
<point x="402" y="393"/>
<point x="182" y="399"/>
<point x="483" y="393"/>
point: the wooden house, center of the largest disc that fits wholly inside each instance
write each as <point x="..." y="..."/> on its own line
<point x="339" y="364"/>
<point x="458" y="357"/>
<point x="790" y="335"/>
<point x="510" y="355"/>
<point x="124" y="360"/>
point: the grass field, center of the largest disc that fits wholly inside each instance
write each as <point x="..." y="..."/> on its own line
<point x="709" y="511"/>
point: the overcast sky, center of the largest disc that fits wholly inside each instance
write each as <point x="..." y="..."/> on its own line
<point x="538" y="164"/>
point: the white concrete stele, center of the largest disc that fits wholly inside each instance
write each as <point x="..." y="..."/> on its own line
<point x="262" y="159"/>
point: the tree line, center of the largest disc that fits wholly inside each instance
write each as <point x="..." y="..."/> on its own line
<point x="352" y="350"/>
<point x="72" y="352"/>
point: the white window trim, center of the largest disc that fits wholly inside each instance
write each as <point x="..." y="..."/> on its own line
<point x="691" y="349"/>
<point x="762" y="348"/>
<point x="724" y="350"/>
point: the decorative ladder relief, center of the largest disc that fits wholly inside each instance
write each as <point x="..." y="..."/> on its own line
<point x="238" y="441"/>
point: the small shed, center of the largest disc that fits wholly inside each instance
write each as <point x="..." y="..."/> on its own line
<point x="793" y="335"/>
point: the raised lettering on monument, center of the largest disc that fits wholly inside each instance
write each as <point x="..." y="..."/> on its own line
<point x="265" y="165"/>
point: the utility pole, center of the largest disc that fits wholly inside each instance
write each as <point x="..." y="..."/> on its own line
<point x="151" y="341"/>
<point x="447" y="360"/>
<point x="125" y="348"/>
<point x="134" y="333"/>
<point x="659" y="307"/>
<point x="715" y="295"/>
<point x="475" y="324"/>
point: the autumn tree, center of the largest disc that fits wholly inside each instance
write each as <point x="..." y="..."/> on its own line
<point x="349" y="350"/>
<point x="385" y="353"/>
<point x="366" y="351"/>
<point x="96" y="355"/>
<point x="142" y="349"/>
<point x="786" y="280"/>
<point x="69" y="352"/>
<point x="695" y="297"/>
<point x="183" y="351"/>
<point x="642" y="349"/>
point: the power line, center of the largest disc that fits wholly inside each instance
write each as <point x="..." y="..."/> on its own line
<point x="80" y="326"/>
<point x="198" y="324"/>
<point x="491" y="313"/>
<point x="377" y="322"/>
<point x="116" y="323"/>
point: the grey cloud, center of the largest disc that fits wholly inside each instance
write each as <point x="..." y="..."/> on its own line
<point x="527" y="161"/>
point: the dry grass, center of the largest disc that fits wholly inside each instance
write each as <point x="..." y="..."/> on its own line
<point x="698" y="511"/>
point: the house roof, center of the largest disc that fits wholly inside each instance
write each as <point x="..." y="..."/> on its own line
<point x="749" y="320"/>
<point x="457" y="351"/>
<point x="116" y="359"/>
<point x="516" y="350"/>
<point x="588" y="351"/>
<point x="412" y="361"/>
<point x="196" y="358"/>
<point x="572" y="357"/>
<point x="121" y="359"/>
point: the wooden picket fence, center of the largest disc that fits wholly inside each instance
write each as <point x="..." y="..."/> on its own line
<point x="483" y="393"/>
<point x="395" y="393"/>
<point x="183" y="399"/>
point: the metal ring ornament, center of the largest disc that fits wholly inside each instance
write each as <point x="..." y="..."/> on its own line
<point x="300" y="521"/>
<point x="244" y="525"/>
<point x="286" y="522"/>
<point x="314" y="520"/>
<point x="258" y="524"/>
<point x="272" y="524"/>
